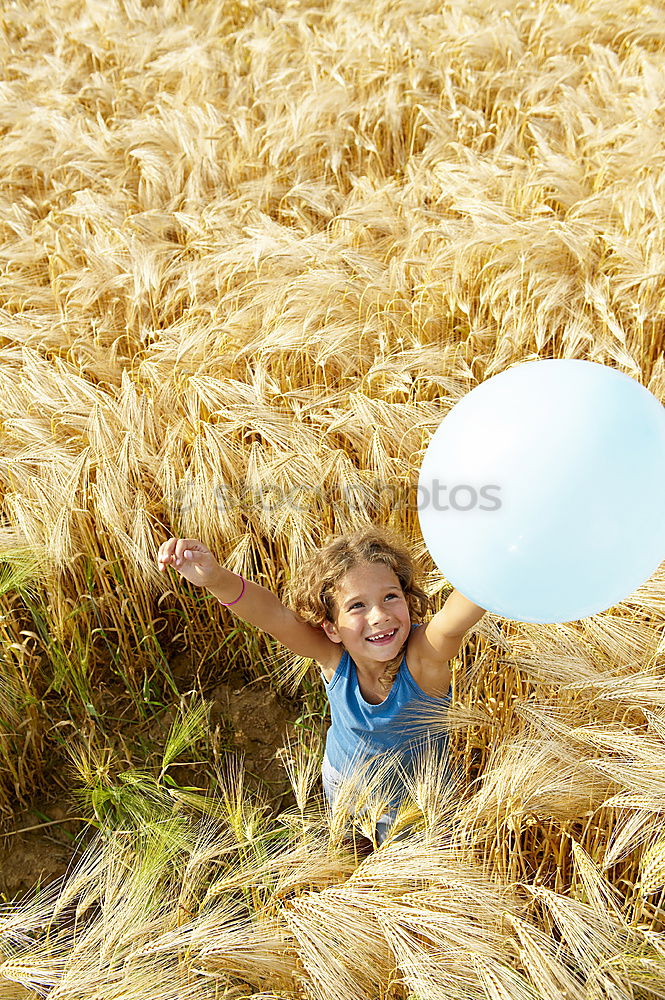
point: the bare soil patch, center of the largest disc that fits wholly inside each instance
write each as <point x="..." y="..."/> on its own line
<point x="254" y="720"/>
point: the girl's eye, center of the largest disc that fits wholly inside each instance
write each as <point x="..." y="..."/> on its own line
<point x="358" y="604"/>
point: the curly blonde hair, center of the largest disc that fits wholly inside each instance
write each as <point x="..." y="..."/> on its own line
<point x="312" y="591"/>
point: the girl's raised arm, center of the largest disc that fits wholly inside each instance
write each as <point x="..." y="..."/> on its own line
<point x="250" y="601"/>
<point x="435" y="645"/>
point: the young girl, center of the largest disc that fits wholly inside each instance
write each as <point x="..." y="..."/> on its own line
<point x="353" y="603"/>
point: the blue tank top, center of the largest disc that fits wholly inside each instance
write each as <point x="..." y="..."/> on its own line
<point x="360" y="730"/>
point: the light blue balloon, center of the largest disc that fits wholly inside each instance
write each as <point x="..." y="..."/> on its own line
<point x="553" y="475"/>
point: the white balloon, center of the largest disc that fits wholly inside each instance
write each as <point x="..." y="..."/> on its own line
<point x="541" y="494"/>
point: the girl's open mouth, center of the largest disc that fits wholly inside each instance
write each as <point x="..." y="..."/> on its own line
<point x="383" y="638"/>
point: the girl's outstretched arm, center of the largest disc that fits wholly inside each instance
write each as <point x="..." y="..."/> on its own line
<point x="256" y="605"/>
<point x="436" y="644"/>
<point x="456" y="617"/>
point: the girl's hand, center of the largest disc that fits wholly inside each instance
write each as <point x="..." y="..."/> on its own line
<point x="191" y="559"/>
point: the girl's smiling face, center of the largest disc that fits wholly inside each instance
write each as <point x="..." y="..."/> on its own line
<point x="370" y="604"/>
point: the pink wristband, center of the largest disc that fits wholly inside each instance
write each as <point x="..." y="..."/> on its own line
<point x="239" y="595"/>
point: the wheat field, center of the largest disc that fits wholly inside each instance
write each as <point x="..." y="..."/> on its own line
<point x="251" y="254"/>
